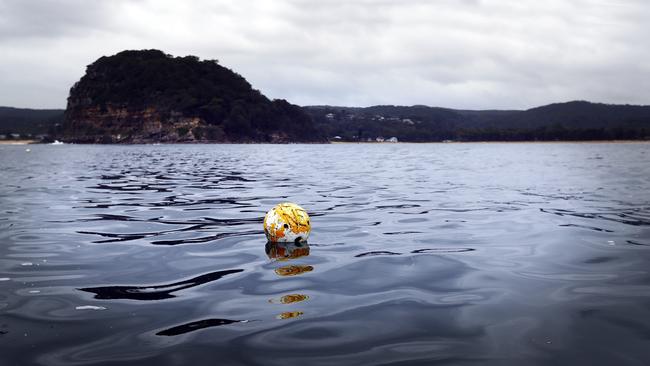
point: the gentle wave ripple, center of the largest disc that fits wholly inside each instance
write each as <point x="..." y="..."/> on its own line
<point x="420" y="254"/>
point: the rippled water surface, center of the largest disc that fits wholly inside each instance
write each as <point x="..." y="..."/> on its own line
<point x="457" y="254"/>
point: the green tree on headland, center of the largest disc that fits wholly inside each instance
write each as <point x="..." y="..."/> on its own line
<point x="149" y="95"/>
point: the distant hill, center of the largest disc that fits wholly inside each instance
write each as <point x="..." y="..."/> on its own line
<point x="577" y="120"/>
<point x="149" y="96"/>
<point x="579" y="115"/>
<point x="29" y="121"/>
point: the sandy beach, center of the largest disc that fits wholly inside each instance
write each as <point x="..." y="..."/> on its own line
<point x="18" y="142"/>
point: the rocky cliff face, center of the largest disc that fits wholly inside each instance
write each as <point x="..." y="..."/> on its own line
<point x="118" y="123"/>
<point x="148" y="96"/>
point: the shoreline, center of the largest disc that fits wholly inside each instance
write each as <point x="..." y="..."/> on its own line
<point x="499" y="142"/>
<point x="19" y="142"/>
<point x="37" y="142"/>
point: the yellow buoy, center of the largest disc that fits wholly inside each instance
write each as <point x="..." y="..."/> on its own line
<point x="287" y="222"/>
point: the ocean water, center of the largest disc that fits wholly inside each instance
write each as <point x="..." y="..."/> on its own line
<point x="490" y="254"/>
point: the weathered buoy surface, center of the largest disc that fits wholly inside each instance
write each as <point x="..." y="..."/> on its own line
<point x="287" y="222"/>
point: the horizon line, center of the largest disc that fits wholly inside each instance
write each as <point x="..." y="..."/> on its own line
<point x="408" y="106"/>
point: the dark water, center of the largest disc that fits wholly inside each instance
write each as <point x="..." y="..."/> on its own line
<point x="535" y="254"/>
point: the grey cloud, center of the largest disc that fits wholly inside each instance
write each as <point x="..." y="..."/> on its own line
<point x="456" y="53"/>
<point x="51" y="18"/>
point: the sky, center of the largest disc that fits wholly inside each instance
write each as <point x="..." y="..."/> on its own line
<point x="467" y="54"/>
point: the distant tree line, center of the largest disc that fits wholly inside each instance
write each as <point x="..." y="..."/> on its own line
<point x="573" y="121"/>
<point x="28" y="122"/>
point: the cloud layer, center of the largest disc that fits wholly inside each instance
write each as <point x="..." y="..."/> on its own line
<point x="474" y="54"/>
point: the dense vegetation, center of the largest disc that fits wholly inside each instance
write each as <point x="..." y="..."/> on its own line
<point x="577" y="121"/>
<point x="565" y="121"/>
<point x="176" y="89"/>
<point x="28" y="122"/>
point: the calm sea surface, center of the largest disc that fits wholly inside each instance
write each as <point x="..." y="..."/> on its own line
<point x="490" y="254"/>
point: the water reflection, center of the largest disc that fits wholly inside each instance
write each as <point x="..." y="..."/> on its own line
<point x="286" y="251"/>
<point x="158" y="292"/>
<point x="293" y="270"/>
<point x="496" y="253"/>
<point x="289" y="299"/>
<point x="289" y="251"/>
<point x="289" y="314"/>
<point x="201" y="324"/>
<point x="416" y="251"/>
<point x="629" y="216"/>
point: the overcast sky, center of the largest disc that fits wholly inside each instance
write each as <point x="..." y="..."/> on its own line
<point x="472" y="54"/>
